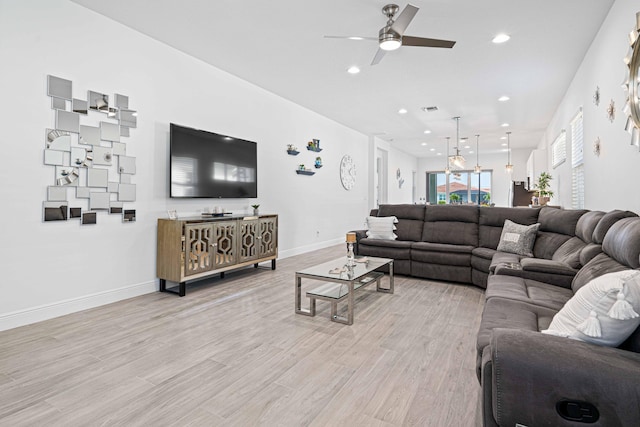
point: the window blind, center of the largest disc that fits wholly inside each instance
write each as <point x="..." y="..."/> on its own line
<point x="559" y="150"/>
<point x="577" y="141"/>
<point x="577" y="187"/>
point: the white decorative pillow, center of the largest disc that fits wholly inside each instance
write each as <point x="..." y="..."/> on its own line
<point x="381" y="227"/>
<point x="604" y="311"/>
<point x="517" y="238"/>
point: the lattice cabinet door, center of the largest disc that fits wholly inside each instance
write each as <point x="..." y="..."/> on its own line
<point x="199" y="244"/>
<point x="225" y="251"/>
<point x="268" y="237"/>
<point x="249" y="237"/>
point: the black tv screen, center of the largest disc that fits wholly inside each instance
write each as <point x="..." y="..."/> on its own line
<point x="206" y="164"/>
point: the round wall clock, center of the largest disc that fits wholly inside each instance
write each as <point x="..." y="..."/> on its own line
<point x="347" y="172"/>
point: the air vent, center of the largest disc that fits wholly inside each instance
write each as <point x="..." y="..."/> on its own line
<point x="429" y="109"/>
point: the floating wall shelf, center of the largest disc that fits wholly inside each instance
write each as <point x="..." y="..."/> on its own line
<point x="293" y="152"/>
<point x="305" y="172"/>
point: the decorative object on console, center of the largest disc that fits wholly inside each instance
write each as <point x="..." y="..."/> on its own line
<point x="517" y="238"/>
<point x="596" y="147"/>
<point x="630" y="86"/>
<point x="173" y="214"/>
<point x="458" y="160"/>
<point x="508" y="167"/>
<point x="611" y="111"/>
<point x="347" y="172"/>
<point x="255" y="210"/>
<point x="596" y="96"/>
<point x="85" y="156"/>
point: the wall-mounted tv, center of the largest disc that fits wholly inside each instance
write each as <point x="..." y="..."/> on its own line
<point x="209" y="165"/>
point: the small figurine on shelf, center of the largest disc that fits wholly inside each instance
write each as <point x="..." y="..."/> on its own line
<point x="292" y="149"/>
<point x="318" y="163"/>
<point x="314" y="145"/>
<point x="301" y="167"/>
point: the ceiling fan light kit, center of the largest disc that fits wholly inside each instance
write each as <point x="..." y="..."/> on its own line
<point x="391" y="36"/>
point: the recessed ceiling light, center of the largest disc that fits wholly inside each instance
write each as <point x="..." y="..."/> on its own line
<point x="504" y="144"/>
<point x="402" y="111"/>
<point x="503" y="137"/>
<point x="503" y="98"/>
<point x="505" y="149"/>
<point x="427" y="131"/>
<point x="423" y="144"/>
<point x="353" y="70"/>
<point x="439" y="154"/>
<point x="432" y="149"/>
<point x="505" y="125"/>
<point x="501" y="38"/>
<point x="471" y="152"/>
<point x="467" y="146"/>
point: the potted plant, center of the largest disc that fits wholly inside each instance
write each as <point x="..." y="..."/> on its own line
<point x="454" y="198"/>
<point x="255" y="209"/>
<point x="543" y="188"/>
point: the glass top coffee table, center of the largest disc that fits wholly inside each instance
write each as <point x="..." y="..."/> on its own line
<point x="343" y="281"/>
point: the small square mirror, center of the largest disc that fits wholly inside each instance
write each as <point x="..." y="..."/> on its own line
<point x="53" y="157"/>
<point x="68" y="121"/>
<point x="109" y="132"/>
<point x="58" y="104"/>
<point x="79" y="106"/>
<point x="79" y="156"/>
<point x="97" y="177"/>
<point x="67" y="175"/>
<point x="55" y="211"/>
<point x="128" y="118"/>
<point x="75" y="212"/>
<point x="129" y="215"/>
<point x="98" y="101"/>
<point x="59" y="88"/>
<point x="99" y="201"/>
<point x="83" y="192"/>
<point x="121" y="101"/>
<point x="127" y="165"/>
<point x="112" y="187"/>
<point x="102" y="155"/>
<point x="57" y="194"/>
<point x="119" y="148"/>
<point x="127" y="193"/>
<point x="58" y="140"/>
<point x="89" y="135"/>
<point x="89" y="218"/>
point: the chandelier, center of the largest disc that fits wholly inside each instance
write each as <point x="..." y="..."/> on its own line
<point x="508" y="167"/>
<point x="477" y="168"/>
<point x="458" y="161"/>
<point x="447" y="170"/>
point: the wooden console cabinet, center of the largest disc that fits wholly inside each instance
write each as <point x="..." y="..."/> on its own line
<point x="195" y="248"/>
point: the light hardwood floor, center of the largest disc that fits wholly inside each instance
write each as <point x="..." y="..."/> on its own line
<point x="233" y="353"/>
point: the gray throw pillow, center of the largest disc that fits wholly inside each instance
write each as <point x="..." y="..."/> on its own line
<point x="517" y="238"/>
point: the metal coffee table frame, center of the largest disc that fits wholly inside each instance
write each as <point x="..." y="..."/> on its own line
<point x="341" y="285"/>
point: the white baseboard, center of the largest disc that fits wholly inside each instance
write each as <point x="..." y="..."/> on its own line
<point x="308" y="248"/>
<point x="60" y="308"/>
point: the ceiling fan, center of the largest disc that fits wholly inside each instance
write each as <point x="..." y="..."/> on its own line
<point x="391" y="36"/>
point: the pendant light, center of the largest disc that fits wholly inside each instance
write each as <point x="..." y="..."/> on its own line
<point x="478" y="168"/>
<point x="446" y="168"/>
<point x="509" y="167"/>
<point x="457" y="160"/>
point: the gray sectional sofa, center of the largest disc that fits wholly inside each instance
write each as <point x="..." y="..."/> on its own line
<point x="528" y="378"/>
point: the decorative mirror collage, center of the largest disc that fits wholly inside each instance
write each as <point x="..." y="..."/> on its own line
<point x="91" y="170"/>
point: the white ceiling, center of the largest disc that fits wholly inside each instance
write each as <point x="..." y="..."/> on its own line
<point x="280" y="47"/>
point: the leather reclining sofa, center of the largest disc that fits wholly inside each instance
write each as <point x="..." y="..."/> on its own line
<point x="528" y="378"/>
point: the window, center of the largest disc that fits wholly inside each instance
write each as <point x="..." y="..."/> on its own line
<point x="577" y="162"/>
<point x="463" y="187"/>
<point x="559" y="150"/>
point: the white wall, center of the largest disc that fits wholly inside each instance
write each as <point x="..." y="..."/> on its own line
<point x="501" y="181"/>
<point x="55" y="268"/>
<point x="611" y="178"/>
<point x="407" y="164"/>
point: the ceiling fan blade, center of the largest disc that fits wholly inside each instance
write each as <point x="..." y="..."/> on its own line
<point x="424" y="42"/>
<point x="351" y="37"/>
<point x="404" y="19"/>
<point x="379" y="55"/>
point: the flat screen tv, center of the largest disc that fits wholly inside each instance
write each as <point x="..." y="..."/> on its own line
<point x="209" y="165"/>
